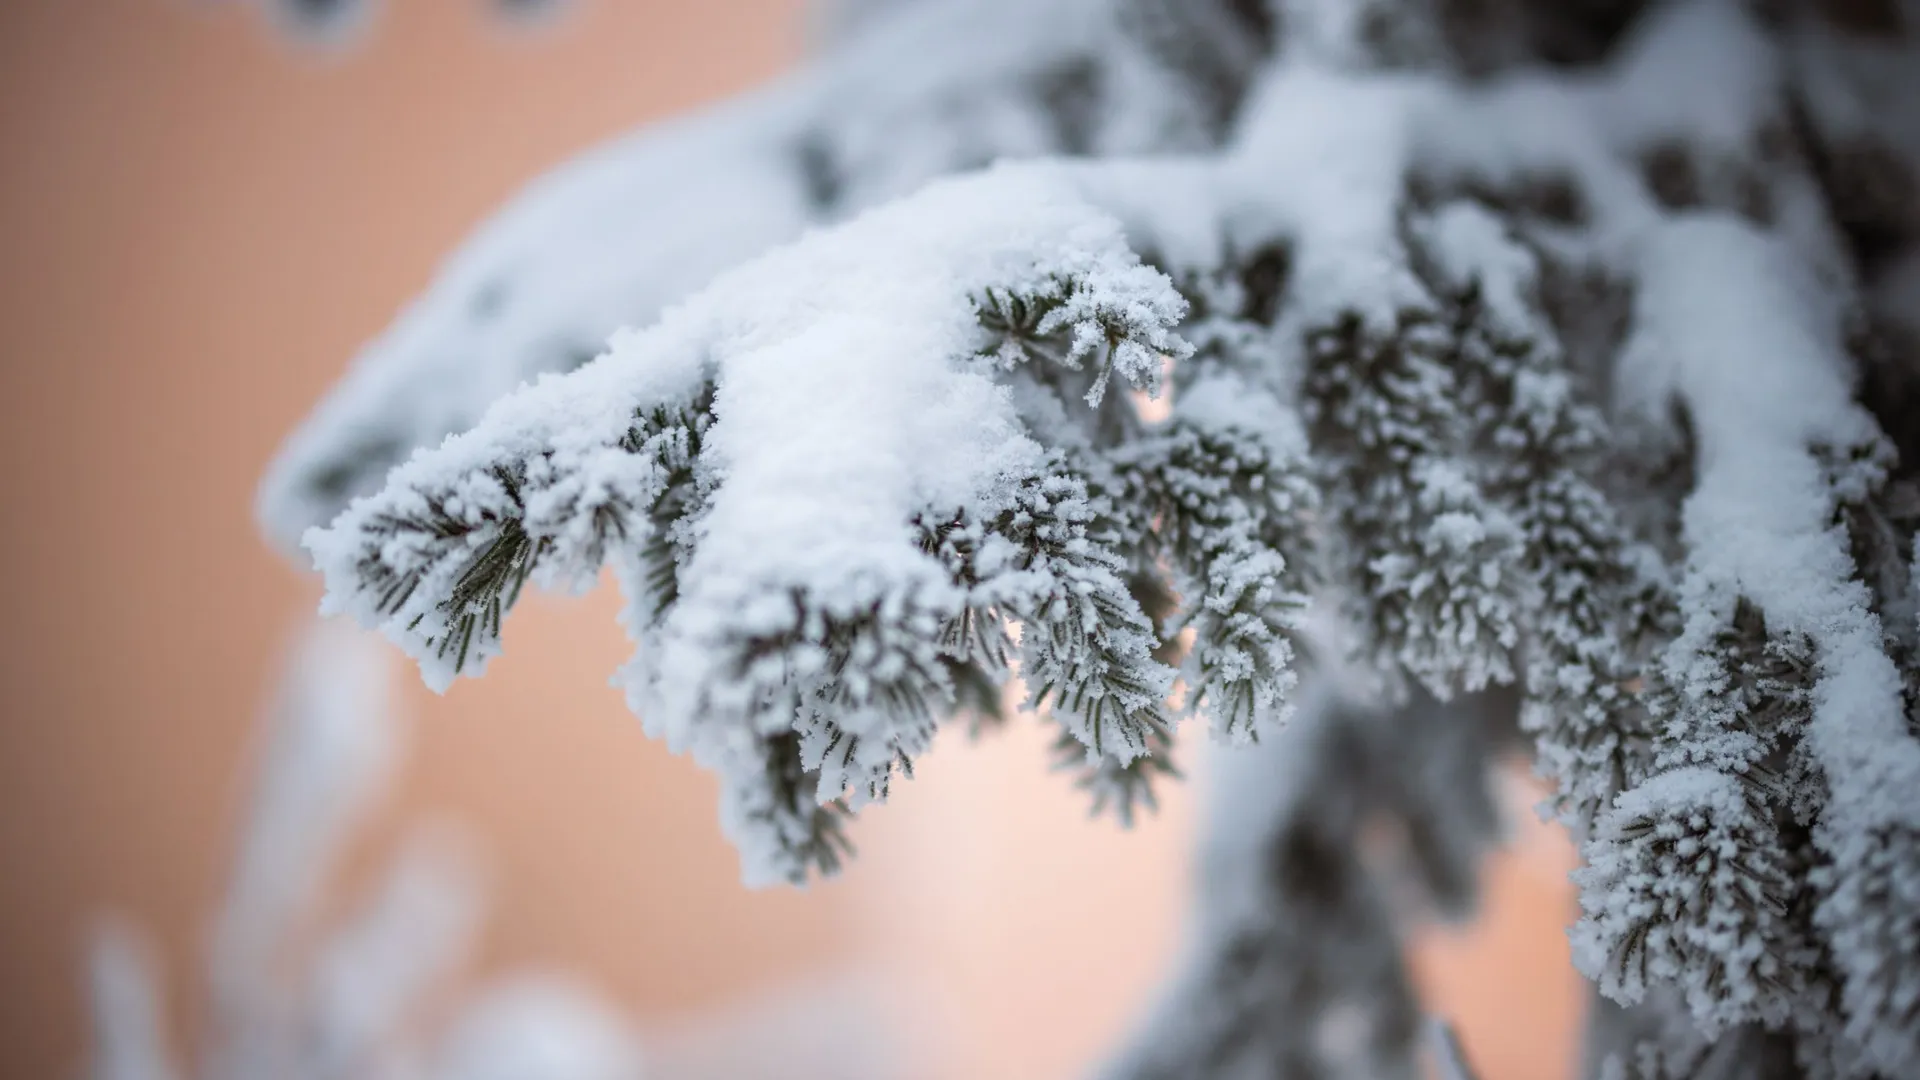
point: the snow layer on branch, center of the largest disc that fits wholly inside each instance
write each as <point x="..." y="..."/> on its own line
<point x="1321" y="156"/>
<point x="1696" y="75"/>
<point x="843" y="404"/>
<point x="847" y="399"/>
<point x="1735" y="326"/>
<point x="1751" y="342"/>
<point x="1703" y="72"/>
<point x="854" y="389"/>
<point x="842" y="413"/>
<point x="611" y="239"/>
<point x="603" y="242"/>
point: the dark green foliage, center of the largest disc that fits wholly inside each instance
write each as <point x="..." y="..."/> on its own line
<point x="477" y="546"/>
<point x="494" y="554"/>
<point x="811" y="834"/>
<point x="673" y="436"/>
<point x="1594" y="597"/>
<point x="1231" y="522"/>
<point x="1086" y="646"/>
<point x="1430" y="563"/>
<point x="1122" y="788"/>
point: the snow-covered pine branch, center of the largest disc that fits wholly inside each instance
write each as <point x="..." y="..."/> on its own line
<point x="1776" y="613"/>
<point x="1553" y="346"/>
<point x="803" y="610"/>
<point x="612" y="239"/>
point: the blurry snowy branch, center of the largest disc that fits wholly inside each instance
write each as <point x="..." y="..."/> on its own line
<point x="288" y="997"/>
<point x="1532" y="377"/>
<point x="381" y="993"/>
<point x="1450" y="1062"/>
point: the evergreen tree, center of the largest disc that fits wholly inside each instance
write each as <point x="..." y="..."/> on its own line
<point x="1528" y="376"/>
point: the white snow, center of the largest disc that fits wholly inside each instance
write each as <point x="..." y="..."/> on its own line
<point x="124" y="1000"/>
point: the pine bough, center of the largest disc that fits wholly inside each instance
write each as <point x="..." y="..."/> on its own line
<point x="1524" y="377"/>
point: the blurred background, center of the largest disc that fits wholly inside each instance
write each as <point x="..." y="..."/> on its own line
<point x="199" y="223"/>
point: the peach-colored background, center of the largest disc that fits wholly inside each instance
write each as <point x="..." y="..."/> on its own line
<point x="197" y="226"/>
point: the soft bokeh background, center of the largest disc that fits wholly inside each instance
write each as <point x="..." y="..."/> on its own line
<point x="198" y="224"/>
